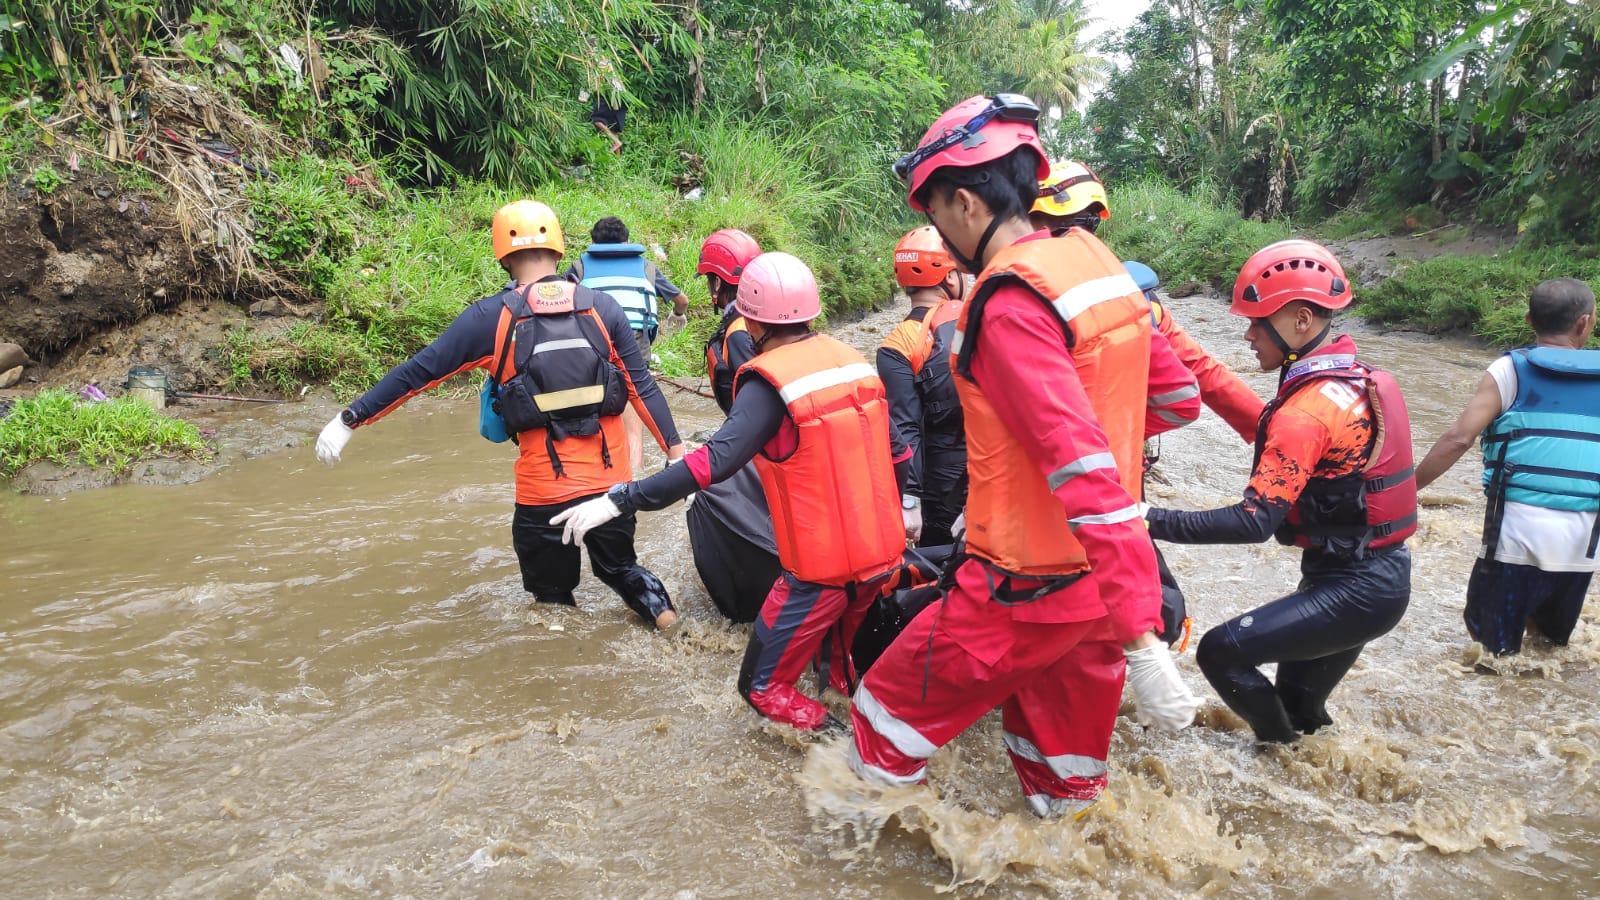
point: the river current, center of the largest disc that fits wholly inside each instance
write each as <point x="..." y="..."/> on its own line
<point x="289" y="679"/>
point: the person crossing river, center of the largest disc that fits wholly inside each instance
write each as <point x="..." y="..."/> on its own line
<point x="730" y="529"/>
<point x="812" y="413"/>
<point x="1052" y="359"/>
<point x="914" y="363"/>
<point x="565" y="366"/>
<point x="1333" y="475"/>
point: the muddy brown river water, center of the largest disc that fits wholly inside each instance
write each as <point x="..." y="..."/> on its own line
<point x="290" y="680"/>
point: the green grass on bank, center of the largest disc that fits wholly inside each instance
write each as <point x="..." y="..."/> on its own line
<point x="56" y="425"/>
<point x="1487" y="295"/>
<point x="1187" y="237"/>
<point x="393" y="275"/>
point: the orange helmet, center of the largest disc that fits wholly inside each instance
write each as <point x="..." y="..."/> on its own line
<point x="921" y="259"/>
<point x="1279" y="274"/>
<point x="526" y="225"/>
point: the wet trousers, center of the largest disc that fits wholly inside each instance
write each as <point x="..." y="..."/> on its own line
<point x="1503" y="599"/>
<point x="1058" y="685"/>
<point x="943" y="493"/>
<point x="1314" y="635"/>
<point x="730" y="535"/>
<point x="801" y="623"/>
<point x="550" y="568"/>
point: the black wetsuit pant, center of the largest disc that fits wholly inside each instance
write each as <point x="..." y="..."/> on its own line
<point x="944" y="491"/>
<point x="550" y="569"/>
<point x="1314" y="635"/>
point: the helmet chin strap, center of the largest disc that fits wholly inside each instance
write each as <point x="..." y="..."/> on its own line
<point x="973" y="264"/>
<point x="1291" y="355"/>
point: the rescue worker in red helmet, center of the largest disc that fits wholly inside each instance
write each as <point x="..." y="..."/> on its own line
<point x="914" y="363"/>
<point x="1053" y="361"/>
<point x="812" y="414"/>
<point x="723" y="257"/>
<point x="1333" y="475"/>
<point x="730" y="529"/>
<point x="565" y="365"/>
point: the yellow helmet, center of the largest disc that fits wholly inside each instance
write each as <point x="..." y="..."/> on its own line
<point x="526" y="225"/>
<point x="1069" y="189"/>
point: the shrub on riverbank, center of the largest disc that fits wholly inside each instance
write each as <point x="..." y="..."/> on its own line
<point x="1487" y="295"/>
<point x="56" y="426"/>
<point x="1186" y="236"/>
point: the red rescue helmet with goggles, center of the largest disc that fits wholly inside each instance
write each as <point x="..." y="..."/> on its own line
<point x="778" y="289"/>
<point x="921" y="259"/>
<point x="973" y="132"/>
<point x="1282" y="273"/>
<point x="725" y="254"/>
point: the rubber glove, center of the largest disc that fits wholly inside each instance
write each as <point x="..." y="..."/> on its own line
<point x="331" y="441"/>
<point x="1160" y="696"/>
<point x="913" y="522"/>
<point x="676" y="321"/>
<point x="585" y="517"/>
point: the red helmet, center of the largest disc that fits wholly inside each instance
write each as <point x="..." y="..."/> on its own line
<point x="1282" y="273"/>
<point x="726" y="253"/>
<point x="975" y="131"/>
<point x="778" y="289"/>
<point x="921" y="259"/>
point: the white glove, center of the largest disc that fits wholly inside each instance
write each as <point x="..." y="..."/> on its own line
<point x="585" y="517"/>
<point x="331" y="441"/>
<point x="676" y="321"/>
<point x="1161" y="697"/>
<point x="958" y="528"/>
<point x="913" y="522"/>
<point x="689" y="500"/>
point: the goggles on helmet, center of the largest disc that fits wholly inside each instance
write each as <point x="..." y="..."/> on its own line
<point x="1009" y="107"/>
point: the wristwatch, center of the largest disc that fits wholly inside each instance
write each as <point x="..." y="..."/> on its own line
<point x="348" y="417"/>
<point x="618" y="494"/>
<point x="909" y="501"/>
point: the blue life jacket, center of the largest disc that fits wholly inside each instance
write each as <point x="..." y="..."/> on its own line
<point x="1544" y="450"/>
<point x="620" y="270"/>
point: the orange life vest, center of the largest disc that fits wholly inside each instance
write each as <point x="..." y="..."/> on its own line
<point x="717" y="371"/>
<point x="834" y="501"/>
<point x="1013" y="519"/>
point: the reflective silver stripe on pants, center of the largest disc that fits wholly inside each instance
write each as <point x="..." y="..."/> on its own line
<point x="1110" y="518"/>
<point x="902" y="736"/>
<point x="871" y="774"/>
<point x="1081" y="466"/>
<point x="1065" y="765"/>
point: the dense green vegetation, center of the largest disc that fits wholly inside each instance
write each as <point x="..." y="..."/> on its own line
<point x="1483" y="110"/>
<point x="1396" y="115"/>
<point x="56" y="426"/>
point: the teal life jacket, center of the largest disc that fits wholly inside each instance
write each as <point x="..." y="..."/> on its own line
<point x="621" y="271"/>
<point x="1544" y="450"/>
